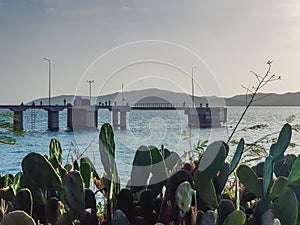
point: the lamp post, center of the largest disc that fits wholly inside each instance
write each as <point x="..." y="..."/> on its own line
<point x="90" y="82"/>
<point x="123" y="99"/>
<point x="193" y="95"/>
<point x="49" y="70"/>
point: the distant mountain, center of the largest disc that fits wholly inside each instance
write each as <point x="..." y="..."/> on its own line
<point x="266" y="99"/>
<point x="153" y="95"/>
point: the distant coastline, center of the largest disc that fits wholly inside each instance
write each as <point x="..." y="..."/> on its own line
<point x="163" y="96"/>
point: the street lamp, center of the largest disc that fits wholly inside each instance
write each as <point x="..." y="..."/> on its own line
<point x="90" y="82"/>
<point x="123" y="99"/>
<point x="193" y="95"/>
<point x="49" y="69"/>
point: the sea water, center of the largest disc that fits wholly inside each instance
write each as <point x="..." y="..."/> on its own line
<point x="143" y="128"/>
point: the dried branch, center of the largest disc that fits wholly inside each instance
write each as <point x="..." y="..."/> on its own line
<point x="262" y="81"/>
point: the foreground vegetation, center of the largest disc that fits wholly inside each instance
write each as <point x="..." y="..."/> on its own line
<point x="208" y="189"/>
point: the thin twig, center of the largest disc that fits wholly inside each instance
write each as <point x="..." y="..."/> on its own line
<point x="262" y="81"/>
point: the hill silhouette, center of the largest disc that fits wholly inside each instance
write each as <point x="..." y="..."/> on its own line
<point x="154" y="95"/>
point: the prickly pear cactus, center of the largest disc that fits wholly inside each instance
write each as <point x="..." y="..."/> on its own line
<point x="237" y="156"/>
<point x="85" y="171"/>
<point x="175" y="180"/>
<point x="184" y="195"/>
<point x="237" y="217"/>
<point x="267" y="217"/>
<point x="221" y="180"/>
<point x="64" y="219"/>
<point x="6" y="180"/>
<point x="209" y="218"/>
<point x="277" y="150"/>
<point x="284" y="166"/>
<point x="7" y="193"/>
<point x="74" y="192"/>
<point x="119" y="218"/>
<point x="158" y="166"/>
<point x="141" y="168"/>
<point x="17" y="217"/>
<point x="250" y="180"/>
<point x="53" y="210"/>
<point x="288" y="206"/>
<point x="91" y="165"/>
<point x="107" y="149"/>
<point x="278" y="185"/>
<point x="205" y="189"/>
<point x="224" y="209"/>
<point x="55" y="150"/>
<point x="39" y="175"/>
<point x="23" y="201"/>
<point x="268" y="174"/>
<point x="294" y="176"/>
<point x="213" y="158"/>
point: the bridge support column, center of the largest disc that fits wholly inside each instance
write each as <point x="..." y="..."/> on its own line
<point x="53" y="120"/>
<point x="53" y="117"/>
<point x="90" y="117"/>
<point x="96" y="118"/>
<point x="115" y="116"/>
<point x="84" y="117"/>
<point x="69" y="118"/>
<point x="123" y="120"/>
<point x="204" y="117"/>
<point x="18" y="117"/>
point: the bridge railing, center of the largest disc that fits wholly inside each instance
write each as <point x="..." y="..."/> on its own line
<point x="160" y="105"/>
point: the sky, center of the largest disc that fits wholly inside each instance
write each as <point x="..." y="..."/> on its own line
<point x="142" y="44"/>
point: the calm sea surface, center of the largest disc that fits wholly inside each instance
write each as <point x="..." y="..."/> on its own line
<point x="144" y="128"/>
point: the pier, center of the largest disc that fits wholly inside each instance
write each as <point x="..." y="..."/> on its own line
<point x="86" y="116"/>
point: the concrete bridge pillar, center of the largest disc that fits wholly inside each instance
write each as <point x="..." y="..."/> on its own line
<point x="53" y="117"/>
<point x="53" y="120"/>
<point x="90" y="117"/>
<point x="69" y="118"/>
<point x="83" y="117"/>
<point x="206" y="117"/>
<point x="123" y="120"/>
<point x="18" y="117"/>
<point x="115" y="116"/>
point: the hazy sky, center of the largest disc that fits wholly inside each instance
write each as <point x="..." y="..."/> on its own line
<point x="231" y="38"/>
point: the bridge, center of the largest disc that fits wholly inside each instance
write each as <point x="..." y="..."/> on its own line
<point x="86" y="116"/>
